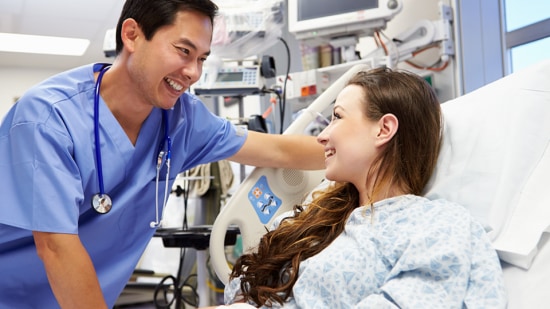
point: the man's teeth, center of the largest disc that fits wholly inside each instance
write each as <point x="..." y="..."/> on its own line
<point x="329" y="153"/>
<point x="173" y="84"/>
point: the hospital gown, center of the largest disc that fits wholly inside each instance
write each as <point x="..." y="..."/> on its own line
<point x="47" y="161"/>
<point x="416" y="253"/>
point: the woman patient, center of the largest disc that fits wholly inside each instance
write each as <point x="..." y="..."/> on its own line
<point x="370" y="240"/>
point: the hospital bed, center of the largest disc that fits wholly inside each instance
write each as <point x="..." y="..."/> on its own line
<point x="495" y="160"/>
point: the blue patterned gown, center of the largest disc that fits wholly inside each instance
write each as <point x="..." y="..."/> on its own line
<point x="415" y="253"/>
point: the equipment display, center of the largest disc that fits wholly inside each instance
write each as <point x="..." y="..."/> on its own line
<point x="323" y="20"/>
<point x="239" y="80"/>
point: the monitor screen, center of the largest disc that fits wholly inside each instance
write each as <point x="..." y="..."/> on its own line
<point x="327" y="19"/>
<point x="230" y="77"/>
<point x="310" y="9"/>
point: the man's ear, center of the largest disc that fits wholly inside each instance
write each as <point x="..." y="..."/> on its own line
<point x="387" y="127"/>
<point x="130" y="31"/>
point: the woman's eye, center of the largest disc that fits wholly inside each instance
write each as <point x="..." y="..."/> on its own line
<point x="335" y="116"/>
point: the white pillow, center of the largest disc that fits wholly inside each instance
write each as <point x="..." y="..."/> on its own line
<point x="495" y="160"/>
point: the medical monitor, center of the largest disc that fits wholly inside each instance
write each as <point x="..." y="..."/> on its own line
<point x="323" y="20"/>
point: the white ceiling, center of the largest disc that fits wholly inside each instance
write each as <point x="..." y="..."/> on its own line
<point x="86" y="19"/>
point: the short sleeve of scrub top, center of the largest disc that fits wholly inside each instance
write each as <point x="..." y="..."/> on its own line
<point x="41" y="182"/>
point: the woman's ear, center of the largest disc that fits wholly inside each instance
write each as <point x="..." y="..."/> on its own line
<point x="387" y="127"/>
<point x="129" y="33"/>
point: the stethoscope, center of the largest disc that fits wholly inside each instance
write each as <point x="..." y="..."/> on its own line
<point x="101" y="201"/>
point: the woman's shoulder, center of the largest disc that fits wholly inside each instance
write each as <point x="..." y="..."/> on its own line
<point x="422" y="213"/>
<point x="415" y="203"/>
<point x="439" y="207"/>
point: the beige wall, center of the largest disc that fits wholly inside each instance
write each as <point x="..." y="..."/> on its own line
<point x="14" y="82"/>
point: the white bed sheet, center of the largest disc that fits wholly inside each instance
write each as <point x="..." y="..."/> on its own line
<point x="495" y="160"/>
<point x="530" y="288"/>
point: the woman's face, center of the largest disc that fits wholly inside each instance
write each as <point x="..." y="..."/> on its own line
<point x="349" y="139"/>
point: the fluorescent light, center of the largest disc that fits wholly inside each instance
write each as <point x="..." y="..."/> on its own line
<point x="36" y="44"/>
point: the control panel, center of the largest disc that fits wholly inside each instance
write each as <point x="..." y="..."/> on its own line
<point x="231" y="81"/>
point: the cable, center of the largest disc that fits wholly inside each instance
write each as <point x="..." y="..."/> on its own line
<point x="165" y="295"/>
<point x="186" y="188"/>
<point x="268" y="111"/>
<point x="283" y="102"/>
<point x="430" y="67"/>
<point x="438" y="66"/>
<point x="193" y="288"/>
<point x="393" y="42"/>
<point x="380" y="41"/>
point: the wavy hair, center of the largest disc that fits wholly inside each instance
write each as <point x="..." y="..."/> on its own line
<point x="269" y="274"/>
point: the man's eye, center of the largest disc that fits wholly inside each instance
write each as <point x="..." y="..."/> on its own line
<point x="184" y="50"/>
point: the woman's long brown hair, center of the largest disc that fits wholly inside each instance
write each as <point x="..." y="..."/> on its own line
<point x="268" y="274"/>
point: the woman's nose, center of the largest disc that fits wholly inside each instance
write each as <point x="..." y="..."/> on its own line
<point x="322" y="138"/>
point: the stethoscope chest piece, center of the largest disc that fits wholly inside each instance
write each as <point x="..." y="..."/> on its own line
<point x="102" y="203"/>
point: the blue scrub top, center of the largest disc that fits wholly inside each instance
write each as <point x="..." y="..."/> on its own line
<point x="48" y="166"/>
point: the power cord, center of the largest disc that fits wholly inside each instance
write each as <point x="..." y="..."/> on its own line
<point x="283" y="100"/>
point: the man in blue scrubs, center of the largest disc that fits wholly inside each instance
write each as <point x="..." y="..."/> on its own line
<point x="55" y="249"/>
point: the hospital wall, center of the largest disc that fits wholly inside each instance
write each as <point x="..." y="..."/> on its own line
<point x="15" y="81"/>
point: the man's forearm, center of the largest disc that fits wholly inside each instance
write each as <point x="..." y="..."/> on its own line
<point x="70" y="271"/>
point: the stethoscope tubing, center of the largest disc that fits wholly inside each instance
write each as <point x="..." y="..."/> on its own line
<point x="160" y="156"/>
<point x="99" y="167"/>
